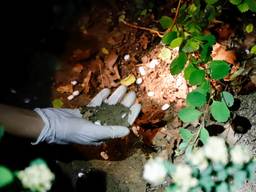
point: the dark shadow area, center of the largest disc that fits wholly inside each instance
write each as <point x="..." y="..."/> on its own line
<point x="241" y="124"/>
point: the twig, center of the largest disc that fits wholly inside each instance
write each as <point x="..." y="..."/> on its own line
<point x="159" y="34"/>
<point x="175" y="17"/>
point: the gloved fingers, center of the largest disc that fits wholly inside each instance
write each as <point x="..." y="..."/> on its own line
<point x="99" y="98"/>
<point x="129" y="99"/>
<point x="72" y="112"/>
<point x="111" y="132"/>
<point x="117" y="95"/>
<point x="135" y="110"/>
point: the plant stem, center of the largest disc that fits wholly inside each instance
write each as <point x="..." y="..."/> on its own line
<point x="159" y="34"/>
<point x="175" y="17"/>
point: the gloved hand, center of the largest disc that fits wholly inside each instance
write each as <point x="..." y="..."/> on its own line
<point x="63" y="126"/>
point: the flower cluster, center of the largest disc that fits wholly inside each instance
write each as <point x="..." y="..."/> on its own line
<point x="214" y="167"/>
<point x="37" y="177"/>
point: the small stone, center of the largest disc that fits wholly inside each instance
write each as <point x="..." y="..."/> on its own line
<point x="75" y="93"/>
<point x="142" y="71"/>
<point x="247" y="51"/>
<point x="70" y="97"/>
<point x="165" y="106"/>
<point x="74" y="82"/>
<point x="127" y="57"/>
<point x="139" y="81"/>
<point x="151" y="93"/>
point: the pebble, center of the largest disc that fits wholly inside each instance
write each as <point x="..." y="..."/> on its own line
<point x="75" y="93"/>
<point x="139" y="81"/>
<point x="127" y="57"/>
<point x="165" y="106"/>
<point x="151" y="93"/>
<point x="142" y="71"/>
<point x="74" y="82"/>
<point x="70" y="97"/>
<point x="247" y="51"/>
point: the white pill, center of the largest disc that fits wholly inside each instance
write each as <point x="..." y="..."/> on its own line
<point x="139" y="81"/>
<point x="165" y="106"/>
<point x="152" y="64"/>
<point x="75" y="93"/>
<point x="80" y="174"/>
<point x="127" y="57"/>
<point x="74" y="82"/>
<point x="142" y="71"/>
<point x="151" y="93"/>
<point x="70" y="97"/>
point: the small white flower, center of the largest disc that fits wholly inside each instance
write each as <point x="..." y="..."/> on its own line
<point x="155" y="171"/>
<point x="74" y="82"/>
<point x="198" y="158"/>
<point x="239" y="155"/>
<point x="36" y="178"/>
<point x="183" y="177"/>
<point x="216" y="150"/>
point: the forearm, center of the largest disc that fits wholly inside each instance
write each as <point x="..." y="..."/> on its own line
<point x="20" y="122"/>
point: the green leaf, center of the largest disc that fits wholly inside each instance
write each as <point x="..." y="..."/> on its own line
<point x="1" y="132"/>
<point x="243" y="7"/>
<point x="223" y="187"/>
<point x="251" y="4"/>
<point x="205" y="52"/>
<point x="253" y="50"/>
<point x="227" y="98"/>
<point x="37" y="161"/>
<point x="249" y="28"/>
<point x="166" y="22"/>
<point x="204" y="87"/>
<point x="188" y="70"/>
<point x="183" y="146"/>
<point x="211" y="1"/>
<point x="189" y="114"/>
<point x="219" y="69"/>
<point x="168" y="37"/>
<point x="239" y="178"/>
<point x="219" y="111"/>
<point x="165" y="54"/>
<point x="210" y="12"/>
<point x="185" y="134"/>
<point x="6" y="176"/>
<point x="176" y="42"/>
<point x="197" y="77"/>
<point x="196" y="99"/>
<point x="172" y="188"/>
<point x="222" y="175"/>
<point x="57" y="103"/>
<point x="191" y="45"/>
<point x="178" y="63"/>
<point x="204" y="135"/>
<point x="235" y="2"/>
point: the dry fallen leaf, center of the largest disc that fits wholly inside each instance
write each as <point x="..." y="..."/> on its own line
<point x="79" y="54"/>
<point x="110" y="59"/>
<point x="68" y="88"/>
<point x="219" y="52"/>
<point x="78" y="68"/>
<point x="86" y="82"/>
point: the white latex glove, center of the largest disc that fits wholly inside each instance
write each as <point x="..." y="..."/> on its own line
<point x="63" y="126"/>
